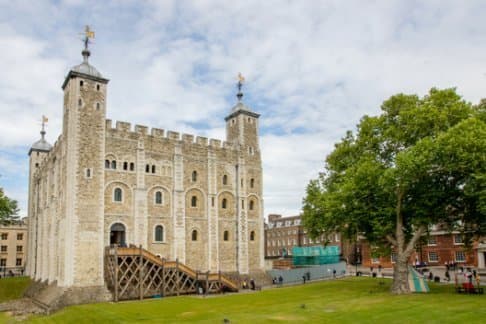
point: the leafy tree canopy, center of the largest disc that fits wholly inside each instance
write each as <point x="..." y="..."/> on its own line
<point x="421" y="162"/>
<point x="8" y="209"/>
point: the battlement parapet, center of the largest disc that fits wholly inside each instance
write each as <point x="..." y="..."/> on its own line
<point x="173" y="135"/>
<point x="145" y="133"/>
<point x="202" y="140"/>
<point x="187" y="138"/>
<point x="141" y="129"/>
<point x="157" y="132"/>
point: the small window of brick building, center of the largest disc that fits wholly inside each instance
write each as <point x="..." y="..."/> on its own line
<point x="433" y="257"/>
<point x="460" y="256"/>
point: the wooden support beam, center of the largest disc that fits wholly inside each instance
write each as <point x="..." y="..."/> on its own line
<point x="115" y="264"/>
<point x="140" y="272"/>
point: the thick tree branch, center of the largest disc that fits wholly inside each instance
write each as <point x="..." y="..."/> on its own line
<point x="414" y="239"/>
<point x="391" y="240"/>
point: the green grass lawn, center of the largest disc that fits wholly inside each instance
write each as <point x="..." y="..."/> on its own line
<point x="349" y="300"/>
<point x="12" y="288"/>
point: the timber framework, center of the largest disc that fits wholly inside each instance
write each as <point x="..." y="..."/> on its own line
<point x="135" y="273"/>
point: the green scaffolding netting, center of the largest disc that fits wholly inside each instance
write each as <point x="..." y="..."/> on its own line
<point x="315" y="255"/>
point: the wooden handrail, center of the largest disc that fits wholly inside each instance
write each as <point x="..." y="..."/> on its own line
<point x="127" y="251"/>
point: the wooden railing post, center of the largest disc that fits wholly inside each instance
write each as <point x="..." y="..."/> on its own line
<point x="116" y="273"/>
<point x="163" y="277"/>
<point x="207" y="283"/>
<point x="178" y="276"/>
<point x="219" y="281"/>
<point x="140" y="272"/>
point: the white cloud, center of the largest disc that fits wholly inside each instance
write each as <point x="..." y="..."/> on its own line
<point x="313" y="69"/>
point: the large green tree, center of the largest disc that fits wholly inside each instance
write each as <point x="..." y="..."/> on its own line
<point x="8" y="209"/>
<point x="421" y="162"/>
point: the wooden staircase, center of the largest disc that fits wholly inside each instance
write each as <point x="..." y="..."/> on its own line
<point x="135" y="273"/>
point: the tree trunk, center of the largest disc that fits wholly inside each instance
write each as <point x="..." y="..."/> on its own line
<point x="400" y="275"/>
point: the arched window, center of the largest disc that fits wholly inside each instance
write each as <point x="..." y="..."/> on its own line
<point x="158" y="198"/>
<point x="252" y="235"/>
<point x="107" y="164"/>
<point x="252" y="205"/>
<point x="225" y="179"/>
<point x="159" y="233"/>
<point x="117" y="195"/>
<point x="194" y="176"/>
<point x="194" y="235"/>
<point x="88" y="173"/>
<point x="193" y="201"/>
<point x="147" y="168"/>
<point x="225" y="236"/>
<point x="252" y="183"/>
<point x="223" y="203"/>
<point x="81" y="83"/>
<point x="153" y="168"/>
<point x="113" y="165"/>
<point x="80" y="102"/>
<point x="132" y="166"/>
<point x="97" y="106"/>
<point x="125" y="165"/>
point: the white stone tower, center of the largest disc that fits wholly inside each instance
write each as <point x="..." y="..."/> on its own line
<point x="83" y="135"/>
<point x="37" y="153"/>
<point x="242" y="131"/>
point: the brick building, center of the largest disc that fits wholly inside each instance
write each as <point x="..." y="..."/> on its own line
<point x="283" y="233"/>
<point x="13" y="247"/>
<point x="435" y="250"/>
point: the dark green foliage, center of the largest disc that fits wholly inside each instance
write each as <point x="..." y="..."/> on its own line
<point x="8" y="209"/>
<point x="421" y="162"/>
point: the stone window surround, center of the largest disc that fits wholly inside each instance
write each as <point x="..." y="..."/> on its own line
<point x="114" y="196"/>
<point x="164" y="241"/>
<point x="161" y="198"/>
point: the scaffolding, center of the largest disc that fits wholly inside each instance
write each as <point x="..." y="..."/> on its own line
<point x="315" y="255"/>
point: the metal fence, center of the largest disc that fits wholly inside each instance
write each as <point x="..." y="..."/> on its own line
<point x="11" y="272"/>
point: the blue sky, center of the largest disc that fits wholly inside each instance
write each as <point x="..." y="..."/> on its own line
<point x="313" y="69"/>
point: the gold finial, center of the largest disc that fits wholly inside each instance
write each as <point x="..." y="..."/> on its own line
<point x="88" y="32"/>
<point x="241" y="78"/>
<point x="44" y="122"/>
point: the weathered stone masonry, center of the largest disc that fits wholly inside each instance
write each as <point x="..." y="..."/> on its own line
<point x="181" y="197"/>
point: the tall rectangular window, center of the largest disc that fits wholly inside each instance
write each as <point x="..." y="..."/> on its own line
<point x="460" y="256"/>
<point x="20" y="236"/>
<point x="433" y="257"/>
<point x="3" y="249"/>
<point x="458" y="239"/>
<point x="18" y="262"/>
<point x="4" y="236"/>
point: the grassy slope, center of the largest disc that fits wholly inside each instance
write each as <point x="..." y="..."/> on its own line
<point x="348" y="300"/>
<point x="12" y="288"/>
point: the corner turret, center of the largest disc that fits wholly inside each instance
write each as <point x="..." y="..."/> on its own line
<point x="242" y="124"/>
